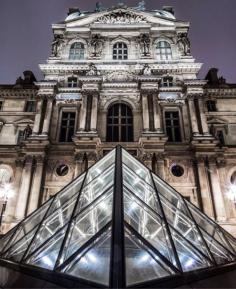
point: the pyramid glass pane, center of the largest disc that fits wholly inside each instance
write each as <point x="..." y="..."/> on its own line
<point x="88" y="223"/>
<point x="92" y="189"/>
<point x="53" y="223"/>
<point x="139" y="187"/>
<point x="142" y="265"/>
<point x="135" y="166"/>
<point x="189" y="257"/>
<point x="210" y="227"/>
<point x="46" y="255"/>
<point x="148" y="224"/>
<point x="18" y="249"/>
<point x="220" y="253"/>
<point x="30" y="224"/>
<point x="93" y="263"/>
<point x="4" y="241"/>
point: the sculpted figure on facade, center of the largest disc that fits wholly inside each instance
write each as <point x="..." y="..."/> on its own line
<point x="56" y="45"/>
<point x="96" y="45"/>
<point x="92" y="70"/>
<point x="147" y="70"/>
<point x="183" y="43"/>
<point x="144" y="42"/>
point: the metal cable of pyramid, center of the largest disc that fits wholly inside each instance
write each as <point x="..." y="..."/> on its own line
<point x="118" y="225"/>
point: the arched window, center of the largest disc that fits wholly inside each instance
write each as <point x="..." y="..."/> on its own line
<point x="77" y="51"/>
<point x="163" y="50"/>
<point x="119" y="123"/>
<point x="120" y="51"/>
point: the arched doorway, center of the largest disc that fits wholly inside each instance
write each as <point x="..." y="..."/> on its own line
<point x="119" y="123"/>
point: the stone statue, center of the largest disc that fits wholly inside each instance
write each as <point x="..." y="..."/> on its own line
<point x="141" y="6"/>
<point x="96" y="45"/>
<point x="98" y="6"/>
<point x="183" y="43"/>
<point x="147" y="70"/>
<point x="144" y="41"/>
<point x="56" y="43"/>
<point x="27" y="132"/>
<point x="92" y="70"/>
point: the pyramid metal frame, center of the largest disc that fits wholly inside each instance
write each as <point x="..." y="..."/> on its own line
<point x="190" y="231"/>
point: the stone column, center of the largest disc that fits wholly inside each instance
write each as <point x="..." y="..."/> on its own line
<point x="83" y="113"/>
<point x="206" y="197"/>
<point x="161" y="166"/>
<point x="78" y="164"/>
<point x="24" y="189"/>
<point x="157" y="116"/>
<point x="145" y="112"/>
<point x="216" y="190"/>
<point x="47" y="119"/>
<point x="205" y="128"/>
<point x="36" y="185"/>
<point x="94" y="113"/>
<point x="193" y="117"/>
<point x="37" y="117"/>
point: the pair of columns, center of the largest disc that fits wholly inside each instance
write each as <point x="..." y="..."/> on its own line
<point x="29" y="186"/>
<point x="84" y="113"/>
<point x="193" y="117"/>
<point x="47" y="117"/>
<point x="156" y="113"/>
<point x="211" y="193"/>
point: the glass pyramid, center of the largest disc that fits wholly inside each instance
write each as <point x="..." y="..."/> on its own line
<point x="118" y="225"/>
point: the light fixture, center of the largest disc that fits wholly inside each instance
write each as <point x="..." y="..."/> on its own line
<point x="231" y="193"/>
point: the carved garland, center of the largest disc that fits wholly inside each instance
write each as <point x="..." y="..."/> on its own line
<point x="121" y="17"/>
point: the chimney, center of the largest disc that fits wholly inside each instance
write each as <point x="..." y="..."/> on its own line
<point x="169" y="9"/>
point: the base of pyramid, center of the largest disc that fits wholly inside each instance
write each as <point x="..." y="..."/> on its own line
<point x="13" y="275"/>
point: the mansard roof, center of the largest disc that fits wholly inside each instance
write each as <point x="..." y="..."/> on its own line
<point x="121" y="15"/>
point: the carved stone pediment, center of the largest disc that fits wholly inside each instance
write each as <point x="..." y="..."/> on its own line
<point x="121" y="17"/>
<point x="119" y="76"/>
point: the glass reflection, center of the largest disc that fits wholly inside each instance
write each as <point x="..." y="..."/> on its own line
<point x="93" y="264"/>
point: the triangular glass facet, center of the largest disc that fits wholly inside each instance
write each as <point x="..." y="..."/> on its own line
<point x="88" y="223"/>
<point x="142" y="264"/>
<point x="46" y="255"/>
<point x="148" y="224"/>
<point x="93" y="263"/>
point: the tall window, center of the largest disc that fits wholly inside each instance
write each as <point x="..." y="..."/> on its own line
<point x="67" y="126"/>
<point x="120" y="51"/>
<point x="220" y="137"/>
<point x="30" y="106"/>
<point x="72" y="81"/>
<point x="120" y="123"/>
<point x="77" y="51"/>
<point x="172" y="123"/>
<point x="163" y="50"/>
<point x="211" y="105"/>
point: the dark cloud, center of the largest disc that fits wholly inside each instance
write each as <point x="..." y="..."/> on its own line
<point x="25" y="31"/>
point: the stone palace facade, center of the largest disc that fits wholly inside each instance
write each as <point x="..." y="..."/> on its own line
<point x="119" y="75"/>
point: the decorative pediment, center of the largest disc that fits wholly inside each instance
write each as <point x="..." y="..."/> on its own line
<point x="121" y="17"/>
<point x="24" y="121"/>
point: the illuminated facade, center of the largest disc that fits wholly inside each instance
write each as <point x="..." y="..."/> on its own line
<point x="120" y="75"/>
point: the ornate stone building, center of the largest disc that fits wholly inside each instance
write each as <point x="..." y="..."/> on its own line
<point x="119" y="75"/>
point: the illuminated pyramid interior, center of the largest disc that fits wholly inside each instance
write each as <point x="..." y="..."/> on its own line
<point x="118" y="225"/>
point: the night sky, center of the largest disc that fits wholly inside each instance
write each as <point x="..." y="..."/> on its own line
<point x="25" y="32"/>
